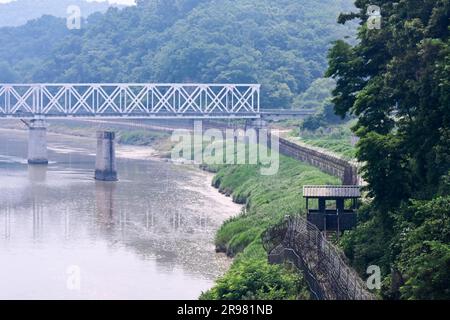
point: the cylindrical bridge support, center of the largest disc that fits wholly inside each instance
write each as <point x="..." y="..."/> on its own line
<point x="105" y="164"/>
<point x="37" y="142"/>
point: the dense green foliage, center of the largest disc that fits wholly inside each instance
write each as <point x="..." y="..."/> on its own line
<point x="397" y="81"/>
<point x="268" y="199"/>
<point x="280" y="44"/>
<point x="23" y="49"/>
<point x="254" y="279"/>
<point x="316" y="95"/>
<point x="425" y="252"/>
<point x="325" y="117"/>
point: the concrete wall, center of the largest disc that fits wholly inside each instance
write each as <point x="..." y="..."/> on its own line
<point x="344" y="170"/>
<point x="105" y="163"/>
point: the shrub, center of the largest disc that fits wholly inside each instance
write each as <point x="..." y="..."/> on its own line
<point x="255" y="279"/>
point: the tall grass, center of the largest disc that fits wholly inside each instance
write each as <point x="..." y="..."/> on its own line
<point x="267" y="200"/>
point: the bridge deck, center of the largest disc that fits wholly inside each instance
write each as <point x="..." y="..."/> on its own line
<point x="131" y="101"/>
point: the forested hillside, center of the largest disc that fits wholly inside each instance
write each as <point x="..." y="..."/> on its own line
<point x="281" y="44"/>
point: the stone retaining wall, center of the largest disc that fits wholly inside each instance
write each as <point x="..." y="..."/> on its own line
<point x="343" y="169"/>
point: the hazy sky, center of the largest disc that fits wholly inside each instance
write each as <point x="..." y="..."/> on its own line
<point x="110" y="1"/>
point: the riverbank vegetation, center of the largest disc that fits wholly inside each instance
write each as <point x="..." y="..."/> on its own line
<point x="267" y="199"/>
<point x="324" y="129"/>
<point x="396" y="81"/>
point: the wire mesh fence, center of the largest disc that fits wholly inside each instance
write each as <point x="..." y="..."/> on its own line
<point x="327" y="274"/>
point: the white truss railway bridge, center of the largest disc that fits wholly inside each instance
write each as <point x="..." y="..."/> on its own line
<point x="40" y="102"/>
<point x="130" y="101"/>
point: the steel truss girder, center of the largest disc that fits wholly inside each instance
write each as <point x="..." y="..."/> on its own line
<point x="130" y="100"/>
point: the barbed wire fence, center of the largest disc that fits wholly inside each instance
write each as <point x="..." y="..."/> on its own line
<point x="323" y="266"/>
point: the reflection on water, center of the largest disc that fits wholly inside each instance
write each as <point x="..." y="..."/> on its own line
<point x="104" y="200"/>
<point x="149" y="236"/>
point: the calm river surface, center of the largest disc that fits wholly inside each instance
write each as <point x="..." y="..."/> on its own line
<point x="64" y="235"/>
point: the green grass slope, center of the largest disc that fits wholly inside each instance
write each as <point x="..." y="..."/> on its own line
<point x="267" y="200"/>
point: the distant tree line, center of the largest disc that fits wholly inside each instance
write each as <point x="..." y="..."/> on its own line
<point x="281" y="44"/>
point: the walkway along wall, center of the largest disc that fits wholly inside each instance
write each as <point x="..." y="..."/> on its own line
<point x="333" y="165"/>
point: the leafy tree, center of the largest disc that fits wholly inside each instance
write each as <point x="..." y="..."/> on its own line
<point x="425" y="252"/>
<point x="316" y="95"/>
<point x="324" y="117"/>
<point x="396" y="81"/>
<point x="255" y="279"/>
<point x="312" y="123"/>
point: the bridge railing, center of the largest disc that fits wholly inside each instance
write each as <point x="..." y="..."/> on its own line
<point x="327" y="274"/>
<point x="130" y="100"/>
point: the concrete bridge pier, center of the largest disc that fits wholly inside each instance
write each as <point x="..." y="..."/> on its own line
<point x="105" y="163"/>
<point x="37" y="142"/>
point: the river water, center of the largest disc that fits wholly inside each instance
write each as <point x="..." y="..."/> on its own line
<point x="65" y="236"/>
